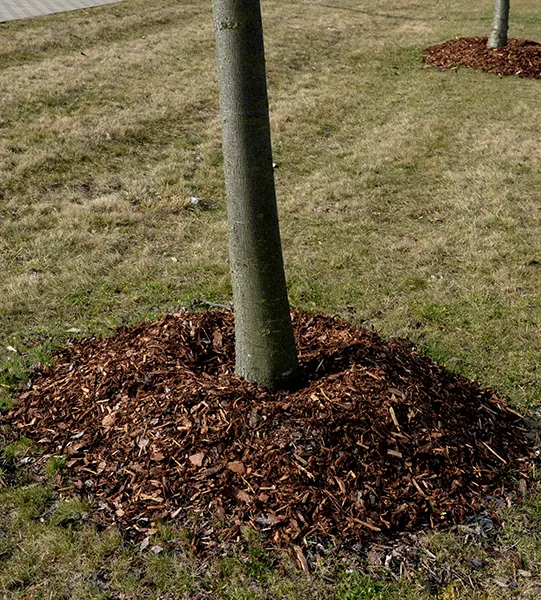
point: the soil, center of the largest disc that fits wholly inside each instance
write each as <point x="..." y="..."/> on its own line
<point x="519" y="57"/>
<point x="376" y="440"/>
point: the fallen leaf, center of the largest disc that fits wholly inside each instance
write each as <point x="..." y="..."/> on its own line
<point x="144" y="544"/>
<point x="237" y="467"/>
<point x="197" y="459"/>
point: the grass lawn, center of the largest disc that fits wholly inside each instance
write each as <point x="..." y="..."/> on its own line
<point x="409" y="201"/>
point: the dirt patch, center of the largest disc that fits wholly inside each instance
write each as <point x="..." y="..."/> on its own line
<point x="519" y="57"/>
<point x="378" y="439"/>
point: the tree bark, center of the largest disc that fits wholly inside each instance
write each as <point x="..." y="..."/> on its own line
<point x="500" y="25"/>
<point x="264" y="344"/>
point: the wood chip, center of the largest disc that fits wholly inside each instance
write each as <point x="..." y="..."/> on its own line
<point x="301" y="559"/>
<point x="393" y="417"/>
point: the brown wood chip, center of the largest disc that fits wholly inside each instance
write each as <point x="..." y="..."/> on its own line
<point x="518" y="57"/>
<point x="377" y="440"/>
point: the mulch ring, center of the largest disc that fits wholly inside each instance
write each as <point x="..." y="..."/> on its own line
<point x="518" y="57"/>
<point x="378" y="440"/>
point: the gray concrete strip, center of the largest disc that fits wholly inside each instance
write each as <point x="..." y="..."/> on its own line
<point x="11" y="10"/>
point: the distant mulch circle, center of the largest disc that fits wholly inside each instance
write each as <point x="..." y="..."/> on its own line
<point x="519" y="57"/>
<point x="378" y="439"/>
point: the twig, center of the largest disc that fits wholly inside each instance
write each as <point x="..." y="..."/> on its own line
<point x="213" y="304"/>
<point x="493" y="452"/>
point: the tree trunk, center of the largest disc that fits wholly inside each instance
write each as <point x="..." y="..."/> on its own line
<point x="500" y="25"/>
<point x="264" y="343"/>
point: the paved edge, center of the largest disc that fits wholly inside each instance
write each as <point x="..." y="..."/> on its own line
<point x="13" y="10"/>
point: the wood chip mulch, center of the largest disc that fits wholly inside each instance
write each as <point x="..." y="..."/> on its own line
<point x="377" y="440"/>
<point x="519" y="57"/>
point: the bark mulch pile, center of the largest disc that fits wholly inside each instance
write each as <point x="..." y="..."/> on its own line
<point x="377" y="440"/>
<point x="518" y="57"/>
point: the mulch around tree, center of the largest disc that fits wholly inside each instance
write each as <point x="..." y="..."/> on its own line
<point x="377" y="440"/>
<point x="519" y="57"/>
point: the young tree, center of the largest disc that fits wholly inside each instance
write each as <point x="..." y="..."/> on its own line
<point x="264" y="343"/>
<point x="500" y="25"/>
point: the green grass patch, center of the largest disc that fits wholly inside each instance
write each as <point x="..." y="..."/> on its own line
<point x="17" y="450"/>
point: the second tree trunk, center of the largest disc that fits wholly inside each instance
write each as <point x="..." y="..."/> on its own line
<point x="500" y="25"/>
